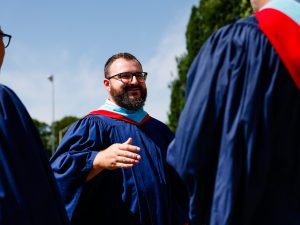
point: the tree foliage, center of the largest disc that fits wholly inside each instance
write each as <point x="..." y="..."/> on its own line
<point x="45" y="134"/>
<point x="205" y="19"/>
<point x="60" y="127"/>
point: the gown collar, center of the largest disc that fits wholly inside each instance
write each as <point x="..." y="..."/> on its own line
<point x="290" y="8"/>
<point x="114" y="111"/>
<point x="280" y="22"/>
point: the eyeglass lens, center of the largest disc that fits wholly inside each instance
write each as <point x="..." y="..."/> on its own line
<point x="127" y="77"/>
<point x="6" y="40"/>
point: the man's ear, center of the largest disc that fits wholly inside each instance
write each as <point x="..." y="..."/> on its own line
<point x="106" y="84"/>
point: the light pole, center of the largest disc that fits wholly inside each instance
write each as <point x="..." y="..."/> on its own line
<point x="51" y="79"/>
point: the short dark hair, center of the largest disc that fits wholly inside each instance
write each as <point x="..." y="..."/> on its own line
<point x="124" y="55"/>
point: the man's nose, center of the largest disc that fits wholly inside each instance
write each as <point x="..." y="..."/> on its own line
<point x="134" y="80"/>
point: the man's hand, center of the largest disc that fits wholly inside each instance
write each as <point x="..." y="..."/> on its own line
<point x="116" y="156"/>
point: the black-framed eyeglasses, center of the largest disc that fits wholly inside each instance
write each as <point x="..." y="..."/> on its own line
<point x="5" y="38"/>
<point x="127" y="77"/>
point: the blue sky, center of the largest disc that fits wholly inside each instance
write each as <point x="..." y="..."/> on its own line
<point x="72" y="40"/>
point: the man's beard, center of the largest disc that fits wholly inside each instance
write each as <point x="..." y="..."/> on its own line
<point x="122" y="99"/>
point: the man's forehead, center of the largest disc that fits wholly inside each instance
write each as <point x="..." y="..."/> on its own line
<point x="124" y="60"/>
<point x="121" y="62"/>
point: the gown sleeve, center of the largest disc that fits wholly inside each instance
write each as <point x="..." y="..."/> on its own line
<point x="74" y="158"/>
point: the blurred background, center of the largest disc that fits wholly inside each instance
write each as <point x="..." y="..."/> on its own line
<point x="58" y="50"/>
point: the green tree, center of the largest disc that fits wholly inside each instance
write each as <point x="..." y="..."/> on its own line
<point x="61" y="126"/>
<point x="45" y="133"/>
<point x="205" y="19"/>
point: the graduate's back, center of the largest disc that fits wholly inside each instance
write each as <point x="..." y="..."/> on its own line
<point x="236" y="148"/>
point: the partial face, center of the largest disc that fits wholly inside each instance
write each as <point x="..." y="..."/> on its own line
<point x="130" y="95"/>
<point x="258" y="4"/>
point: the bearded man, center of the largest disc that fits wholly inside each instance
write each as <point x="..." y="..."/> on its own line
<point x="111" y="164"/>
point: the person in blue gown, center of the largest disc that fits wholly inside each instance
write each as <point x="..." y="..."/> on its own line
<point x="236" y="151"/>
<point x="111" y="164"/>
<point x="28" y="191"/>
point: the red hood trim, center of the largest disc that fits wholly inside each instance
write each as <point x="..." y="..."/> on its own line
<point x="284" y="35"/>
<point x="118" y="116"/>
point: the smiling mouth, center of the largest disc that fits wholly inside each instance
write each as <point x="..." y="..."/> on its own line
<point x="134" y="92"/>
<point x="134" y="89"/>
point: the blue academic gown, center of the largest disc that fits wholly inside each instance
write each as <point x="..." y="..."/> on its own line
<point x="28" y="191"/>
<point x="139" y="195"/>
<point x="237" y="146"/>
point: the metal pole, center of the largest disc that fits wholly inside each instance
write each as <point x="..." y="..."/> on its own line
<point x="51" y="79"/>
